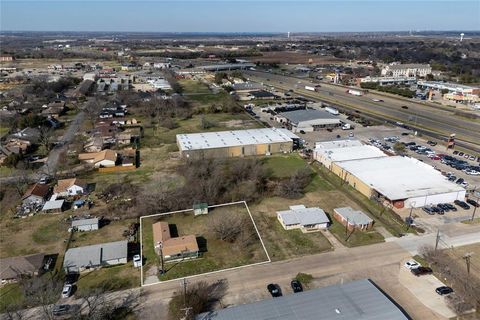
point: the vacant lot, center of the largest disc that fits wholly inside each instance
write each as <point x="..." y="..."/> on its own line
<point x="282" y="166"/>
<point x="114" y="278"/>
<point x="216" y="254"/>
<point x="113" y="231"/>
<point x="459" y="253"/>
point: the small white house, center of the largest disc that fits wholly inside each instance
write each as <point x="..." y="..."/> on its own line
<point x="85" y="224"/>
<point x="305" y="219"/>
<point x="69" y="187"/>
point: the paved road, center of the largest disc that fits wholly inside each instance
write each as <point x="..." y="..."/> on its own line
<point x="435" y="119"/>
<point x="380" y="262"/>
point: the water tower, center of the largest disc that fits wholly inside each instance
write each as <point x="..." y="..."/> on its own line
<point x="461" y="36"/>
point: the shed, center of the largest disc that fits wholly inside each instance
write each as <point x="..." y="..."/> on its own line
<point x="53" y="206"/>
<point x="200" y="208"/>
<point x="85" y="224"/>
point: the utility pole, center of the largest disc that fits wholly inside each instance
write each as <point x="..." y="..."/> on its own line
<point x="467" y="257"/>
<point x="409" y="222"/>
<point x="437" y="240"/>
<point x="474" y="207"/>
<point x="162" y="262"/>
<point x="346" y="228"/>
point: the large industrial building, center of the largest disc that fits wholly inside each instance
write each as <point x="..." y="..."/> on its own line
<point x="238" y="143"/>
<point x="309" y="120"/>
<point x="333" y="151"/>
<point x="356" y="300"/>
<point x="401" y="181"/>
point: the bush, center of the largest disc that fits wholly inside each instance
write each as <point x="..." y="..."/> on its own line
<point x="304" y="278"/>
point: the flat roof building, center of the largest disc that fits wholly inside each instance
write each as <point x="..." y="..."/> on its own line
<point x="328" y="155"/>
<point x="403" y="181"/>
<point x="310" y="120"/>
<point x="353" y="219"/>
<point x="223" y="144"/>
<point x="305" y="219"/>
<point x="356" y="300"/>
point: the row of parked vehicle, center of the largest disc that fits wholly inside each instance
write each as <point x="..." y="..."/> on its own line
<point x="446" y="207"/>
<point x="460" y="164"/>
<point x="276" y="291"/>
<point x="418" y="270"/>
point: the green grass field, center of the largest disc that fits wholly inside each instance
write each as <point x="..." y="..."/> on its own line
<point x="357" y="238"/>
<point x="10" y="295"/>
<point x="113" y="278"/>
<point x="283" y="166"/>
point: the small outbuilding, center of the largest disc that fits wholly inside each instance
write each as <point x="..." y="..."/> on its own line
<point x="305" y="219"/>
<point x="85" y="224"/>
<point x="53" y="206"/>
<point x="353" y="219"/>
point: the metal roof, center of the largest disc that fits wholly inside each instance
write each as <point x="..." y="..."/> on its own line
<point x="298" y="116"/>
<point x="53" y="205"/>
<point x="399" y="177"/>
<point x="96" y="254"/>
<point x="354" y="217"/>
<point x="84" y="222"/>
<point x="350" y="153"/>
<point x="221" y="139"/>
<point x="356" y="300"/>
<point x="303" y="216"/>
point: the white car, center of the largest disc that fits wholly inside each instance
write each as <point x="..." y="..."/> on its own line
<point x="137" y="261"/>
<point x="67" y="291"/>
<point x="412" y="264"/>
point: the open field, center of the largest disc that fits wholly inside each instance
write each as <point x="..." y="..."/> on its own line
<point x="294" y="58"/>
<point x="216" y="254"/>
<point x="114" y="278"/>
<point x="458" y="254"/>
<point x="357" y="238"/>
<point x="282" y="166"/>
<point x="10" y="294"/>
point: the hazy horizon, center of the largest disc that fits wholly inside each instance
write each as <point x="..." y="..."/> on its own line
<point x="239" y="16"/>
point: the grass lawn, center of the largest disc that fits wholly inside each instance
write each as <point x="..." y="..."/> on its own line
<point x="4" y="130"/>
<point x="10" y="295"/>
<point x="283" y="166"/>
<point x="357" y="238"/>
<point x="193" y="86"/>
<point x="114" y="278"/>
<point x="109" y="233"/>
<point x="215" y="254"/>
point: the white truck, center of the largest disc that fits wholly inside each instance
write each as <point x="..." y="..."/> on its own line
<point x="347" y="126"/>
<point x="312" y="88"/>
<point x="355" y="92"/>
<point x="332" y="111"/>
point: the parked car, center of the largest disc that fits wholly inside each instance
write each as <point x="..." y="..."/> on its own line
<point x="411" y="264"/>
<point x="428" y="210"/>
<point x="302" y="131"/>
<point x="459" y="181"/>
<point x="274" y="290"/>
<point x="455" y="152"/>
<point x="67" y="290"/>
<point x="137" y="261"/>
<point x="443" y="290"/>
<point x="420" y="271"/>
<point x="431" y="143"/>
<point x="296" y="286"/>
<point x="462" y="204"/>
<point x="443" y="206"/>
<point x="404" y="107"/>
<point x="450" y="206"/>
<point x="473" y="203"/>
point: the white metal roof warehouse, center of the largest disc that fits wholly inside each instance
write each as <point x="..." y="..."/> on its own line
<point x="403" y="178"/>
<point x="357" y="300"/>
<point x="326" y="156"/>
<point x="222" y="139"/>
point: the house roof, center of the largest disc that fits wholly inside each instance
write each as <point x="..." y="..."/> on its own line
<point x="96" y="254"/>
<point x="39" y="190"/>
<point x="64" y="184"/>
<point x="84" y="222"/>
<point x="354" y="217"/>
<point x="356" y="300"/>
<point x="303" y="216"/>
<point x="106" y="154"/>
<point x="12" y="267"/>
<point x="172" y="246"/>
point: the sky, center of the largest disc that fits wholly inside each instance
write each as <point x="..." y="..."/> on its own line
<point x="239" y="16"/>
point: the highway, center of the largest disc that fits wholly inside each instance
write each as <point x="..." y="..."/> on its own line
<point x="438" y="122"/>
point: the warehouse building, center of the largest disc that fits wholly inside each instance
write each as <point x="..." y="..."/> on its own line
<point x="401" y="181"/>
<point x="309" y="120"/>
<point x="238" y="143"/>
<point x="356" y="300"/>
<point x="333" y="151"/>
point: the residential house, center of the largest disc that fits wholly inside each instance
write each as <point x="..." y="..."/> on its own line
<point x="14" y="267"/>
<point x="69" y="187"/>
<point x="28" y="134"/>
<point x="305" y="219"/>
<point x="93" y="144"/>
<point x="95" y="256"/>
<point x="36" y="194"/>
<point x="85" y="224"/>
<point x="104" y="158"/>
<point x="353" y="219"/>
<point x="55" y="109"/>
<point x="178" y="248"/>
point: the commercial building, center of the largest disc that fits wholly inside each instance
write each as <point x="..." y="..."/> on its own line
<point x="224" y="67"/>
<point x="353" y="219"/>
<point x="177" y="248"/>
<point x="95" y="256"/>
<point x="401" y="181"/>
<point x="356" y="300"/>
<point x="309" y="120"/>
<point x="305" y="219"/>
<point x="451" y="87"/>
<point x="328" y="152"/>
<point x="407" y="70"/>
<point x="247" y="86"/>
<point x="384" y="81"/>
<point x="224" y="144"/>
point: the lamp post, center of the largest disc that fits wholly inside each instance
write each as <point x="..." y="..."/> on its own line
<point x="409" y="222"/>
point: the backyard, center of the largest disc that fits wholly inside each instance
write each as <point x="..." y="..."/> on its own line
<point x="216" y="254"/>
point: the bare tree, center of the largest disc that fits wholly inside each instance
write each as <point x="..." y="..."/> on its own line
<point x="92" y="109"/>
<point x="226" y="227"/>
<point x="45" y="137"/>
<point x="42" y="291"/>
